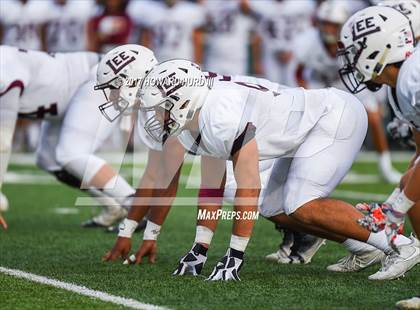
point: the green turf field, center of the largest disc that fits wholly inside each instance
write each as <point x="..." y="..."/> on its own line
<point x="43" y="242"/>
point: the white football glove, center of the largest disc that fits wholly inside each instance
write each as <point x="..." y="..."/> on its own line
<point x="228" y="267"/>
<point x="192" y="263"/>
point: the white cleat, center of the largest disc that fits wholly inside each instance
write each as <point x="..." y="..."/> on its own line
<point x="282" y="255"/>
<point x="307" y="249"/>
<point x="396" y="265"/>
<point x="357" y="262"/>
<point x="412" y="303"/>
<point x="107" y="217"/>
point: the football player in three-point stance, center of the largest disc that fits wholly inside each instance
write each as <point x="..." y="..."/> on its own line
<point x="300" y="128"/>
<point x="59" y="89"/>
<point x="377" y="48"/>
<point x="315" y="51"/>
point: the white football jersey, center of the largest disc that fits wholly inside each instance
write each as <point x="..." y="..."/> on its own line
<point x="280" y="23"/>
<point x="321" y="69"/>
<point x="228" y="30"/>
<point x="67" y="25"/>
<point x="144" y="116"/>
<point x="47" y="81"/>
<point x="235" y="111"/>
<point x="406" y="103"/>
<point x="172" y="27"/>
<point x="21" y="22"/>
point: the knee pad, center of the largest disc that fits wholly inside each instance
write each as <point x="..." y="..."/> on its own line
<point x="67" y="178"/>
<point x="84" y="167"/>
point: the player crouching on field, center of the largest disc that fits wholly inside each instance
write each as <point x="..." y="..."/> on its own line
<point x="247" y="122"/>
<point x="377" y="47"/>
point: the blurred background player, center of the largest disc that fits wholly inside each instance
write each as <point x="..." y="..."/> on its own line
<point x="21" y="23"/>
<point x="67" y="143"/>
<point x="171" y="28"/>
<point x="110" y="28"/>
<point x="279" y="23"/>
<point x="315" y="52"/>
<point x="65" y="30"/>
<point x="228" y="30"/>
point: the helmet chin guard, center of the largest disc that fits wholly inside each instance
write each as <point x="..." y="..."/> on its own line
<point x="170" y="95"/>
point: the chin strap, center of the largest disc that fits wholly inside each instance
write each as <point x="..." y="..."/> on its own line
<point x="379" y="66"/>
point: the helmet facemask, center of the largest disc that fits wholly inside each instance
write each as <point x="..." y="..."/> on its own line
<point x="162" y="123"/>
<point x="115" y="104"/>
<point x="352" y="78"/>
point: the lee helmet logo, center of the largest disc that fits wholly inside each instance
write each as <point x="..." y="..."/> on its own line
<point x="118" y="62"/>
<point x="364" y="27"/>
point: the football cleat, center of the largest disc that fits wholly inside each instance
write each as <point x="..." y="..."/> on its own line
<point x="397" y="264"/>
<point x="107" y="217"/>
<point x="285" y="248"/>
<point x="304" y="248"/>
<point x="357" y="262"/>
<point x="412" y="303"/>
<point x="192" y="263"/>
<point x="228" y="267"/>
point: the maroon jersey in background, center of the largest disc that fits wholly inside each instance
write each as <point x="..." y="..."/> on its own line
<point x="111" y="28"/>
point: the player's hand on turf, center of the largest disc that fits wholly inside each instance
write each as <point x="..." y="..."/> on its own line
<point x="382" y="217"/>
<point x="192" y="263"/>
<point x="148" y="248"/>
<point x="3" y="222"/>
<point x="228" y="267"/>
<point x="120" y="250"/>
<point x="374" y="220"/>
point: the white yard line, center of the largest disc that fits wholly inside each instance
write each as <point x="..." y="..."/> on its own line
<point x="81" y="290"/>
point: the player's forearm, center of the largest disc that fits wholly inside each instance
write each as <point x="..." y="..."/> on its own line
<point x="256" y="53"/>
<point x="246" y="207"/>
<point x="247" y="176"/>
<point x="198" y="41"/>
<point x="159" y="212"/>
<point x="145" y="37"/>
<point x="416" y="136"/>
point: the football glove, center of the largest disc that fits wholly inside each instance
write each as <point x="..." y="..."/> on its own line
<point x="400" y="131"/>
<point x="192" y="263"/>
<point x="228" y="267"/>
<point x="382" y="217"/>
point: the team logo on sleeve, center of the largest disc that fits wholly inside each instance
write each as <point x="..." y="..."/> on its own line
<point x="118" y="62"/>
<point x="364" y="27"/>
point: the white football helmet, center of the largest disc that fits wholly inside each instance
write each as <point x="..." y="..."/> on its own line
<point x="331" y="15"/>
<point x="370" y="40"/>
<point x="169" y="96"/>
<point x="333" y="11"/>
<point x="119" y="76"/>
<point x="410" y="8"/>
